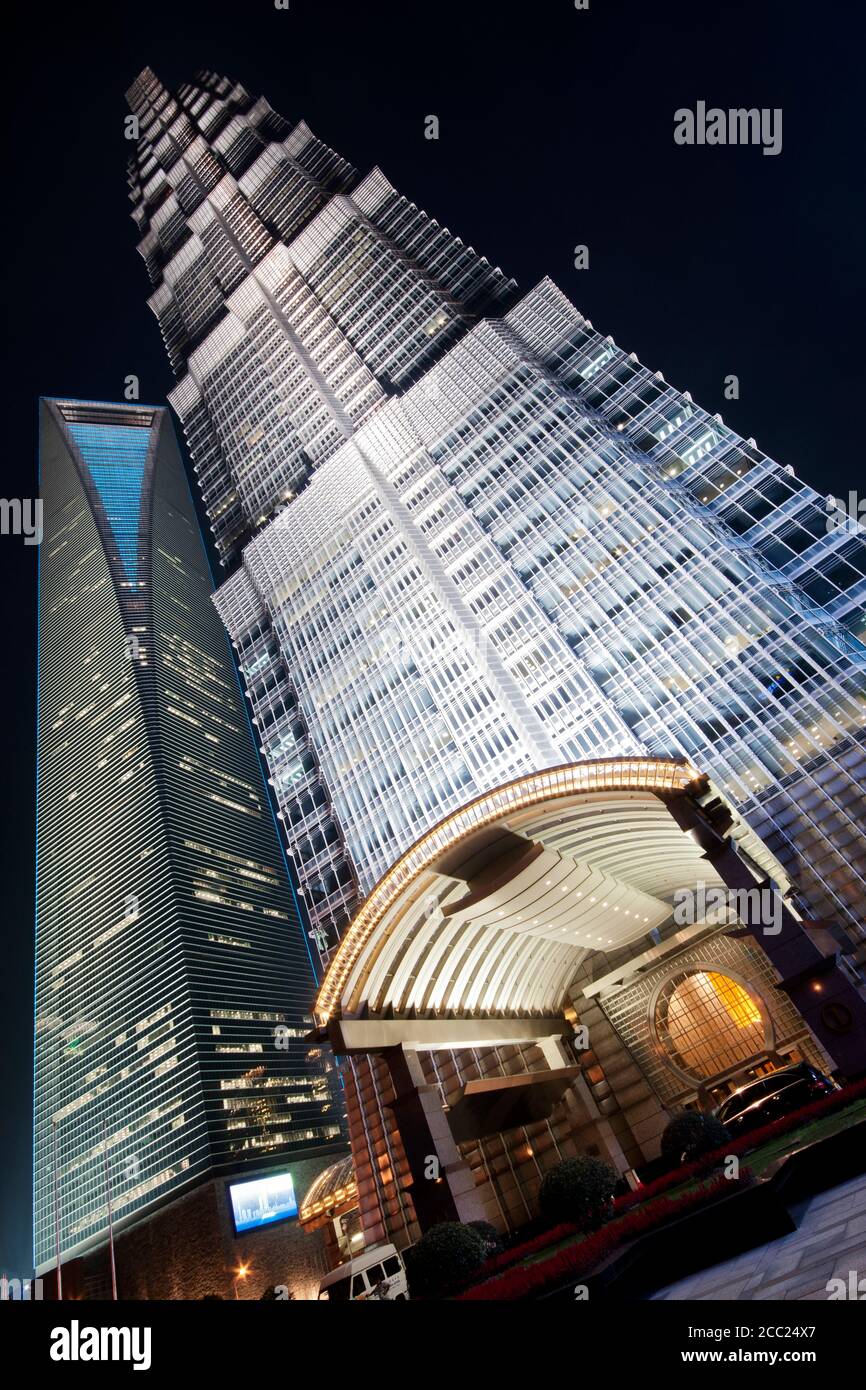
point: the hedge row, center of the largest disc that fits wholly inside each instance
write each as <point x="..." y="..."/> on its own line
<point x="582" y="1257"/>
<point x="686" y="1172"/>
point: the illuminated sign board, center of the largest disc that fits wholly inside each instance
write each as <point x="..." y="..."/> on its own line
<point x="262" y="1201"/>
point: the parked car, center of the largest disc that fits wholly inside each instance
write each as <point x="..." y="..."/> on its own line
<point x="377" y="1273"/>
<point x="770" y="1097"/>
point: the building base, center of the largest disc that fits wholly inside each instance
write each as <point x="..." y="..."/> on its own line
<point x="188" y="1249"/>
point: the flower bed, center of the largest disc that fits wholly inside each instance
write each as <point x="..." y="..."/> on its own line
<point x="678" y="1177"/>
<point x="581" y="1257"/>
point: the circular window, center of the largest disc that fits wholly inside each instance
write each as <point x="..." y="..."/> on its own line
<point x="707" y="1022"/>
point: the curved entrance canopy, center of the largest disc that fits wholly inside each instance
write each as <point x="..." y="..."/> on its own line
<point x="489" y="914"/>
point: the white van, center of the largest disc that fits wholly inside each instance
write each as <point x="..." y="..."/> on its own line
<point x="378" y="1273"/>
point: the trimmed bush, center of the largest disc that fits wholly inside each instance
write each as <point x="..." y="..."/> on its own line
<point x="691" y="1134"/>
<point x="533" y="1245"/>
<point x="580" y="1258"/>
<point x="444" y="1256"/>
<point x="493" y="1242"/>
<point x="578" y="1190"/>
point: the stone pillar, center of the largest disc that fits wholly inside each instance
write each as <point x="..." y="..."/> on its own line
<point x="624" y="1095"/>
<point x="589" y="1125"/>
<point x="426" y="1135"/>
<point x="823" y="995"/>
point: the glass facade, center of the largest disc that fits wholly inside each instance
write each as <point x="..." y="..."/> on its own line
<point x="173" y="981"/>
<point x="470" y="536"/>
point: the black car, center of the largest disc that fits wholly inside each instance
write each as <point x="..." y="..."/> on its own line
<point x="768" y="1098"/>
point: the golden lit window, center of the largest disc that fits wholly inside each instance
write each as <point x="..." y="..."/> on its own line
<point x="706" y="1023"/>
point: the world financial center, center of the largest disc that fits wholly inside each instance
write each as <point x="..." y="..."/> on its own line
<point x="468" y="538"/>
<point x="173" y="982"/>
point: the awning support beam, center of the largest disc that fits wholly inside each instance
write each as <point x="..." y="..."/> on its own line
<point x="366" y="1035"/>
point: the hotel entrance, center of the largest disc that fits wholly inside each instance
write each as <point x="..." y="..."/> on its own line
<point x="518" y="989"/>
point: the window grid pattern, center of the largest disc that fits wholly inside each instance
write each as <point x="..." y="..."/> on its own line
<point x="170" y="960"/>
<point x="629" y="1011"/>
<point x="481" y="545"/>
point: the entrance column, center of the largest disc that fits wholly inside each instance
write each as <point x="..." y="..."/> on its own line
<point x="589" y="1125"/>
<point x="823" y="995"/>
<point x="443" y="1188"/>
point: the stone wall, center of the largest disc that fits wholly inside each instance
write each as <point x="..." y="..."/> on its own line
<point x="188" y="1249"/>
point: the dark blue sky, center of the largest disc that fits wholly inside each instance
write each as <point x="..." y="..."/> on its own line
<point x="556" y="129"/>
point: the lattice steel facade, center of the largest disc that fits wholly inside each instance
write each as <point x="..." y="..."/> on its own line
<point x="173" y="980"/>
<point x="636" y="1011"/>
<point x="486" y="539"/>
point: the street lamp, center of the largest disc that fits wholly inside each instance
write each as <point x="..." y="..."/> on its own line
<point x="240" y="1273"/>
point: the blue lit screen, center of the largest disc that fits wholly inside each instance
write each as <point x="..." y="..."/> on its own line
<point x="262" y="1201"/>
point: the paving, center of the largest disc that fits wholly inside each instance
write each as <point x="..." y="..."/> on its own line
<point x="829" y="1243"/>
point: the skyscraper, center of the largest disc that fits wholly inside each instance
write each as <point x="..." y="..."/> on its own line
<point x="173" y="980"/>
<point x="478" y="537"/>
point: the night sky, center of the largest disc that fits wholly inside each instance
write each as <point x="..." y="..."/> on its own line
<point x="556" y="129"/>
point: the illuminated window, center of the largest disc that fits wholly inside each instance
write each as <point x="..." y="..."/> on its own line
<point x="707" y="1023"/>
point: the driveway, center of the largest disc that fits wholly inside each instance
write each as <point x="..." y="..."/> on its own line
<point x="830" y="1242"/>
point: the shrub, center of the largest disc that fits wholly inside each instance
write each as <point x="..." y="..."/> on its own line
<point x="552" y="1236"/>
<point x="578" y="1190"/>
<point x="690" y="1134"/>
<point x="580" y="1258"/>
<point x="443" y="1257"/>
<point x="492" y="1240"/>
